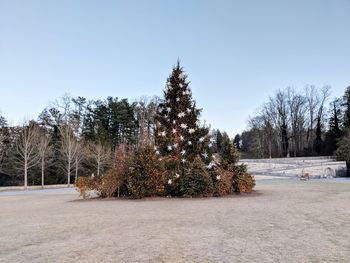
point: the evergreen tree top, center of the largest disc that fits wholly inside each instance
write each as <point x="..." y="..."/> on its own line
<point x="179" y="135"/>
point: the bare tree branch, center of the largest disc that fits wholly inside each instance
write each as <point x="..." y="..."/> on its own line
<point x="69" y="148"/>
<point x="101" y="155"/>
<point x="27" y="149"/>
<point x="43" y="148"/>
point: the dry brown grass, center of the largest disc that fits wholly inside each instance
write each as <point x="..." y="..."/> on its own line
<point x="283" y="221"/>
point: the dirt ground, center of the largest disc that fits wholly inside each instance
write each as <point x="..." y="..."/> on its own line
<point x="283" y="221"/>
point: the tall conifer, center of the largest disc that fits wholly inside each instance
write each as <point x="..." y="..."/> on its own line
<point x="179" y="135"/>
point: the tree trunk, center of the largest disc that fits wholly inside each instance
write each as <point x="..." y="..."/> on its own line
<point x="285" y="144"/>
<point x="42" y="172"/>
<point x="76" y="171"/>
<point x="25" y="175"/>
<point x="69" y="164"/>
<point x="98" y="168"/>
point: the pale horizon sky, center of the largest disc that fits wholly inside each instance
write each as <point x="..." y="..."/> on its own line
<point x="236" y="53"/>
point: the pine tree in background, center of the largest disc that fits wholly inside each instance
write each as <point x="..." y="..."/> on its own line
<point x="334" y="133"/>
<point x="219" y="141"/>
<point x="346" y="104"/>
<point x="237" y="142"/>
<point x="179" y="135"/>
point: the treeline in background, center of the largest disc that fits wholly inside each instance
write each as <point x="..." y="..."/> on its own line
<point x="76" y="137"/>
<point x="295" y="123"/>
<point x="73" y="136"/>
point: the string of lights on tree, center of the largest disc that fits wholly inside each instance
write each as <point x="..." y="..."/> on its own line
<point x="179" y="134"/>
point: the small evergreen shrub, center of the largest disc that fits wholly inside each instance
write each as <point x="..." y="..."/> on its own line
<point x="243" y="182"/>
<point x="145" y="176"/>
<point x="222" y="180"/>
<point x="196" y="181"/>
<point x="229" y="157"/>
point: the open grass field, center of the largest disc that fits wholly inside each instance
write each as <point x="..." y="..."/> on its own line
<point x="282" y="221"/>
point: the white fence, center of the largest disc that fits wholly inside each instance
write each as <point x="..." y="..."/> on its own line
<point x="296" y="166"/>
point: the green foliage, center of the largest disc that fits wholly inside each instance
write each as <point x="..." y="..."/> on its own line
<point x="237" y="142"/>
<point x="179" y="136"/>
<point x="229" y="157"/>
<point x="219" y="141"/>
<point x="343" y="151"/>
<point x="145" y="176"/>
<point x="334" y="132"/>
<point x="111" y="121"/>
<point x="186" y="169"/>
<point x="196" y="181"/>
<point x="346" y="104"/>
<point x="222" y="141"/>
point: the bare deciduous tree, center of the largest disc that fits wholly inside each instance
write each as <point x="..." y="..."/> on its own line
<point x="43" y="149"/>
<point x="145" y="110"/>
<point x="69" y="148"/>
<point x="280" y="105"/>
<point x="312" y="100"/>
<point x="269" y="119"/>
<point x="320" y="116"/>
<point x="296" y="104"/>
<point x="27" y="149"/>
<point x="64" y="105"/>
<point x="79" y="158"/>
<point x="120" y="163"/>
<point x="101" y="155"/>
<point x="291" y="122"/>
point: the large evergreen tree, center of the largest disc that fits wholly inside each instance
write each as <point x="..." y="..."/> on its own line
<point x="343" y="151"/>
<point x="179" y="135"/>
<point x="3" y="141"/>
<point x="346" y="104"/>
<point x="334" y="133"/>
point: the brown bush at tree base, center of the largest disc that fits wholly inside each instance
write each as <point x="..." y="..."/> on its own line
<point x="222" y="180"/>
<point x="141" y="174"/>
<point x="84" y="185"/>
<point x="243" y="182"/>
<point x="111" y="181"/>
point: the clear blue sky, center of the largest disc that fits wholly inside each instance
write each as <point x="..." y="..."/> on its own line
<point x="236" y="53"/>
